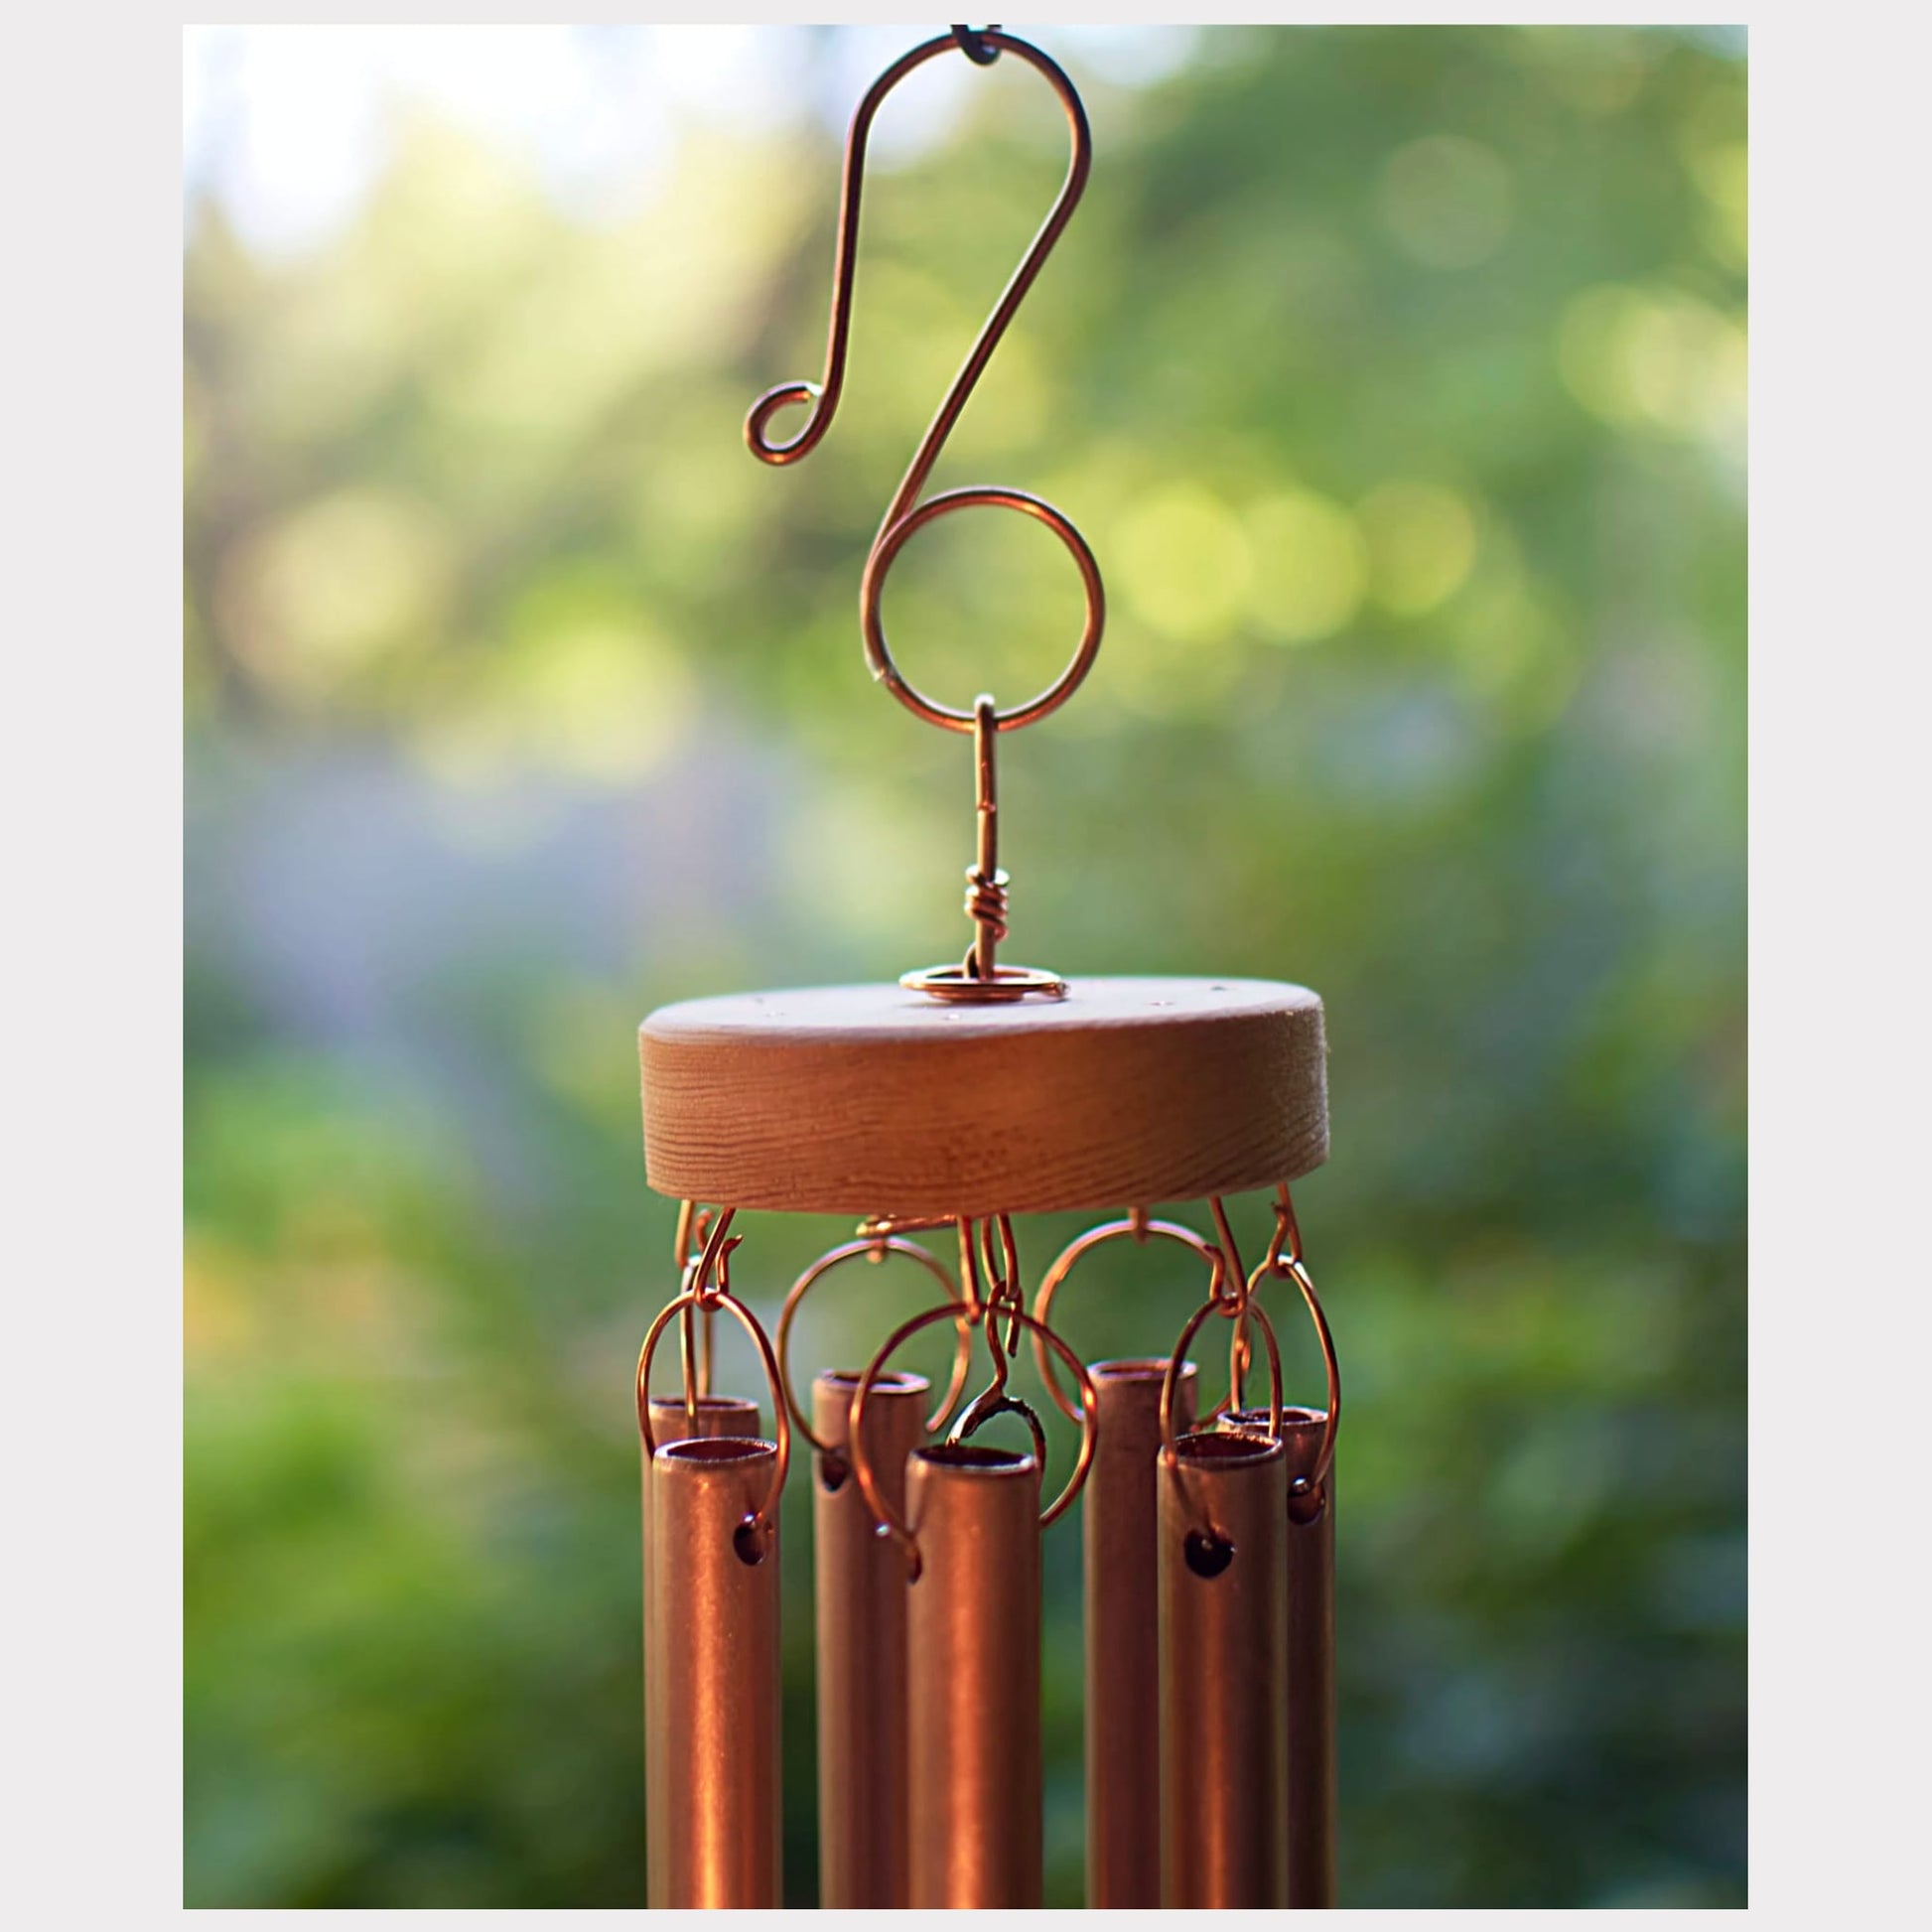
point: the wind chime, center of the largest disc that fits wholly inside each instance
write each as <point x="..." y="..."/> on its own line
<point x="947" y="1105"/>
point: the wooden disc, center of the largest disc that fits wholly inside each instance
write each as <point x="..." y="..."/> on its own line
<point x="871" y="1101"/>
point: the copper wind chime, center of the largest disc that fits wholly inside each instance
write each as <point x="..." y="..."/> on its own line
<point x="946" y="1105"/>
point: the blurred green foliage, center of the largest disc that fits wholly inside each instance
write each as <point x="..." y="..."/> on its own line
<point x="1396" y="378"/>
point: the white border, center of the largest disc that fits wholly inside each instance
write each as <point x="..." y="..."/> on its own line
<point x="1839" y="951"/>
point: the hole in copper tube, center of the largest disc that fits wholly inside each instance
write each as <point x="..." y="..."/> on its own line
<point x="752" y="1541"/>
<point x="1305" y="1503"/>
<point x="832" y="1472"/>
<point x="1207" y="1556"/>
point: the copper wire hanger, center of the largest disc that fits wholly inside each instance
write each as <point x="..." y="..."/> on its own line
<point x="979" y="977"/>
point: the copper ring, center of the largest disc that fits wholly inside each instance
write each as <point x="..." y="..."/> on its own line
<point x="1008" y="983"/>
<point x="871" y="587"/>
<point x="871" y="1247"/>
<point x="1138" y="1228"/>
<point x="1292" y="1266"/>
<point x="768" y="1511"/>
<point x="881" y="1512"/>
<point x="1170" y="1457"/>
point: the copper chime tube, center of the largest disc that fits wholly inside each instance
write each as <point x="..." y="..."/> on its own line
<point x="1311" y="1546"/>
<point x="711" y="1416"/>
<point x="1224" y="1673"/>
<point x="973" y="1678"/>
<point x="1311" y="1666"/>
<point x="1119" y="1515"/>
<point x="858" y="1579"/>
<point x="712" y="1699"/>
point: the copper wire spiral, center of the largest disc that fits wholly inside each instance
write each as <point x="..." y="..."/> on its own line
<point x="985" y="900"/>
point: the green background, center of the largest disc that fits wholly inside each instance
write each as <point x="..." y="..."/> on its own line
<point x="1397" y="379"/>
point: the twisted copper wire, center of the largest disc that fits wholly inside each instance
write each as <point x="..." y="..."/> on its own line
<point x="985" y="901"/>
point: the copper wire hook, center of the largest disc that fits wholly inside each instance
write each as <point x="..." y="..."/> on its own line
<point x="697" y="1340"/>
<point x="905" y="514"/>
<point x="975" y="47"/>
<point x="882" y="1512"/>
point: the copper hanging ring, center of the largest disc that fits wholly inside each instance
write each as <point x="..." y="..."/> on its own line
<point x="763" y="1520"/>
<point x="1170" y="1453"/>
<point x="872" y="586"/>
<point x="882" y="1511"/>
<point x="871" y="1248"/>
<point x="1136" y="1227"/>
<point x="1309" y="1485"/>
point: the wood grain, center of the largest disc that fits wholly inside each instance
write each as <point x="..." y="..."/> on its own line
<point x="871" y="1101"/>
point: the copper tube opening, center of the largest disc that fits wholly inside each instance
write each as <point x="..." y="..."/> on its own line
<point x="1291" y="1417"/>
<point x="1134" y="1368"/>
<point x="973" y="1455"/>
<point x="712" y="1700"/>
<point x="668" y="1410"/>
<point x="718" y="1448"/>
<point x="860" y="1591"/>
<point x="1119" y="1515"/>
<point x="1220" y="1447"/>
<point x="973" y="1677"/>
<point x="1223" y="1622"/>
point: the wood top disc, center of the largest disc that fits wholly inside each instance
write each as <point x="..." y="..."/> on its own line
<point x="870" y="1100"/>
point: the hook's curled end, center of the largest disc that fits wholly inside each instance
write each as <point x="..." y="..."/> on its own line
<point x="786" y="396"/>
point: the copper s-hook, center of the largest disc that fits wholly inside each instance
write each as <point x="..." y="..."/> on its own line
<point x="905" y="514"/>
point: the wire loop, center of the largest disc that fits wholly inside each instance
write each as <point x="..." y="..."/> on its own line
<point x="870" y="1248"/>
<point x="1136" y="1227"/>
<point x="990" y="1403"/>
<point x="882" y="1512"/>
<point x="1169" y="1382"/>
<point x="765" y="1517"/>
<point x="1283" y="1259"/>
<point x="1312" y="1484"/>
